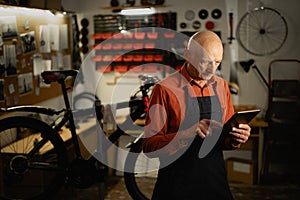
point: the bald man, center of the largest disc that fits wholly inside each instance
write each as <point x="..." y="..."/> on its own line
<point x="184" y="125"/>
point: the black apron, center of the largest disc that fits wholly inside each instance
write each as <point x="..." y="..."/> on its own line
<point x="192" y="178"/>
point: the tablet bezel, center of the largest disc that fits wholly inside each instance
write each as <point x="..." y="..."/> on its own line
<point x="241" y="117"/>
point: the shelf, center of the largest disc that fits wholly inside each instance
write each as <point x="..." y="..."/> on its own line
<point x="131" y="7"/>
<point x="124" y="51"/>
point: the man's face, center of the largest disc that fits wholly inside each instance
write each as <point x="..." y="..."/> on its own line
<point x="205" y="59"/>
<point x="207" y="68"/>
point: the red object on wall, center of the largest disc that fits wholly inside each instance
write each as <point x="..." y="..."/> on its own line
<point x="139" y="35"/>
<point x="210" y="25"/>
<point x="148" y="58"/>
<point x="158" y="58"/>
<point x="138" y="45"/>
<point x="127" y="58"/>
<point x="117" y="46"/>
<point x="104" y="68"/>
<point x="121" y="68"/>
<point x="97" y="58"/>
<point x="152" y="35"/>
<point x="137" y="58"/>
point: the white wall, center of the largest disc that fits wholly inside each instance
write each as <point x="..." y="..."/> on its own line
<point x="252" y="89"/>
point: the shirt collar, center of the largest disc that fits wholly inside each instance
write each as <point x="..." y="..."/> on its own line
<point x="190" y="80"/>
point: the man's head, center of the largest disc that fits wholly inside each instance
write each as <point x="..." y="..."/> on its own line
<point x="204" y="54"/>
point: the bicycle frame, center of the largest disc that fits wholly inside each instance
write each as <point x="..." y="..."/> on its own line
<point x="67" y="117"/>
<point x="68" y="114"/>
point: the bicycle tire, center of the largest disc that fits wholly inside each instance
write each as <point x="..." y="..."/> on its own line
<point x="84" y="100"/>
<point x="38" y="177"/>
<point x="132" y="179"/>
<point x="83" y="106"/>
<point x="262" y="31"/>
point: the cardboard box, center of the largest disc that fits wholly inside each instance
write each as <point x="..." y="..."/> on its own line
<point x="241" y="170"/>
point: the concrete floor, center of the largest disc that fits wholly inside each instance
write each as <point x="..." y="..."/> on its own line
<point x="282" y="187"/>
<point x="115" y="190"/>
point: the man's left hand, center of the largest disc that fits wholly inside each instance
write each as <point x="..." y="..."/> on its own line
<point x="241" y="134"/>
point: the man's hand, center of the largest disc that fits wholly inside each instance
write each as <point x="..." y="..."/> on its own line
<point x="206" y="127"/>
<point x="241" y="134"/>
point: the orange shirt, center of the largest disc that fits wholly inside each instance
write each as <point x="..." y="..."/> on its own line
<point x="167" y="109"/>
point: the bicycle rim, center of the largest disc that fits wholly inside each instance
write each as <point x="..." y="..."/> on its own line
<point x="29" y="177"/>
<point x="262" y="31"/>
<point x="140" y="184"/>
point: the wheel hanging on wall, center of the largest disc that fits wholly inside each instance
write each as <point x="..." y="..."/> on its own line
<point x="262" y="31"/>
<point x="216" y="13"/>
<point x="84" y="35"/>
<point x="203" y="14"/>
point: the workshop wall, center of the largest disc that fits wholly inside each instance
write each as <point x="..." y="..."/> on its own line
<point x="32" y="40"/>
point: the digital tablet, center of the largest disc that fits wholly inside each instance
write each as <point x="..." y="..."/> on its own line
<point x="241" y="117"/>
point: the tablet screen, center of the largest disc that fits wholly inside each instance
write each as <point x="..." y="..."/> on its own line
<point x="241" y="117"/>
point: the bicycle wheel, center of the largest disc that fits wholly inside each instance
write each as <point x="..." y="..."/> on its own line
<point x="141" y="181"/>
<point x="83" y="106"/>
<point x="262" y="31"/>
<point x="84" y="100"/>
<point x="32" y="159"/>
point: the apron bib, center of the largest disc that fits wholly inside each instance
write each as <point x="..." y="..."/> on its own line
<point x="192" y="178"/>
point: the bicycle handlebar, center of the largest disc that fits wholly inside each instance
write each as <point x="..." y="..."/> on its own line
<point x="148" y="80"/>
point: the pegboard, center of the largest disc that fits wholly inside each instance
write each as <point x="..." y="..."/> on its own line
<point x="26" y="49"/>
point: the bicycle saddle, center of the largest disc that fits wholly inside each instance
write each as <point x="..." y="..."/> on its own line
<point x="57" y="76"/>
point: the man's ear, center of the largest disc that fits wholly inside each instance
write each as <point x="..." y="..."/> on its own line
<point x="187" y="54"/>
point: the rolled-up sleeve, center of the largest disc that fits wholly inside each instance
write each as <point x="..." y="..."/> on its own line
<point x="157" y="133"/>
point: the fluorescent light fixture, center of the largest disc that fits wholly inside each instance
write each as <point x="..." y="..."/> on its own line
<point x="138" y="11"/>
<point x="27" y="11"/>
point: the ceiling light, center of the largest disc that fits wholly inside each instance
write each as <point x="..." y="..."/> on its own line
<point x="138" y="11"/>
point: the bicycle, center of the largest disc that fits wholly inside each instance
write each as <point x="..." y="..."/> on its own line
<point x="33" y="158"/>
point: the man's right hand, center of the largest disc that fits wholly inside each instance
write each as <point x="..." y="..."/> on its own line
<point x="205" y="127"/>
